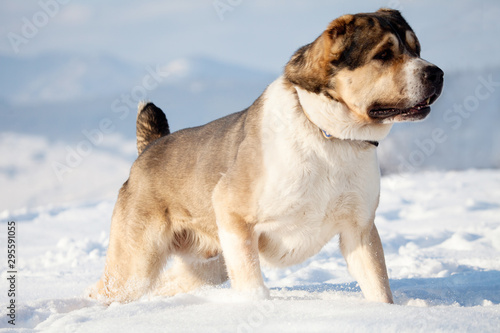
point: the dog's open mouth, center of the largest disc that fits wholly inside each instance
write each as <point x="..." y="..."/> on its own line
<point x="419" y="111"/>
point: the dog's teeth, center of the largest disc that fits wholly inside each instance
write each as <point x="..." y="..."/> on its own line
<point x="428" y="101"/>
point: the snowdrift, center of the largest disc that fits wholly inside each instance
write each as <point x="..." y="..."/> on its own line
<point x="441" y="234"/>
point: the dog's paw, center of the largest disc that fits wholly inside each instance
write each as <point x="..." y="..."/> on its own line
<point x="261" y="293"/>
<point x="95" y="291"/>
<point x="254" y="294"/>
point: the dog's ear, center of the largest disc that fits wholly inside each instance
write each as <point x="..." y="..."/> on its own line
<point x="391" y="12"/>
<point x="335" y="37"/>
<point x="394" y="17"/>
<point x="403" y="29"/>
<point x="310" y="66"/>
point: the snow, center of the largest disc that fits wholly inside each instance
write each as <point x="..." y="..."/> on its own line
<point x="441" y="234"/>
<point x="31" y="169"/>
<point x="439" y="215"/>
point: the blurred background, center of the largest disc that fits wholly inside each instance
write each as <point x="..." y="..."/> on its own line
<point x="72" y="72"/>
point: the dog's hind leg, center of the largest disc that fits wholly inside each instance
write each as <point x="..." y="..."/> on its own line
<point x="140" y="242"/>
<point x="188" y="274"/>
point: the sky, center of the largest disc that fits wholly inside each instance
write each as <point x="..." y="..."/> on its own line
<point x="258" y="34"/>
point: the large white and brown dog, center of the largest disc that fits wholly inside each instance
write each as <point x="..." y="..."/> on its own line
<point x="272" y="184"/>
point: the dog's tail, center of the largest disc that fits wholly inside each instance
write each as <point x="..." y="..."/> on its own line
<point x="151" y="125"/>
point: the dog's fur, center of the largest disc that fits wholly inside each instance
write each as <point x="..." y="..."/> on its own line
<point x="265" y="185"/>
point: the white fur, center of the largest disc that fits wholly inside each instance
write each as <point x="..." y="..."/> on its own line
<point x="337" y="120"/>
<point x="414" y="81"/>
<point x="314" y="188"/>
<point x="244" y="271"/>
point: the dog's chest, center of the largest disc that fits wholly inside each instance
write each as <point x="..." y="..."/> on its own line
<point x="307" y="200"/>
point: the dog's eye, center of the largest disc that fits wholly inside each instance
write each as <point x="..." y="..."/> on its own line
<point x="384" y="55"/>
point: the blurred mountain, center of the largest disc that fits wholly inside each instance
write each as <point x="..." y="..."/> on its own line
<point x="52" y="78"/>
<point x="59" y="96"/>
<point x="54" y="109"/>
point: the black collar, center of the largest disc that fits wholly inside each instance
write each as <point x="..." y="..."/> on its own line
<point x="329" y="136"/>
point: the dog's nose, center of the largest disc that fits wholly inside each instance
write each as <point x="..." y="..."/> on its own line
<point x="433" y="75"/>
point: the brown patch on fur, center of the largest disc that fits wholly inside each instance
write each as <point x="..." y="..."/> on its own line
<point x="375" y="84"/>
<point x="309" y="66"/>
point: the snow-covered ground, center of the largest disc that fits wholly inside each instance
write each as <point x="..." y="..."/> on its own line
<point x="61" y="165"/>
<point x="440" y="230"/>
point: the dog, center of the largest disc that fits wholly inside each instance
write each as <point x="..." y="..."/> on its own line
<point x="272" y="184"/>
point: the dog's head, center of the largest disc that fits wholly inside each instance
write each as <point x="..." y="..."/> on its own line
<point x="370" y="63"/>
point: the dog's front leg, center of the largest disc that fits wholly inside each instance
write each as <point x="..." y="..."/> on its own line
<point x="365" y="260"/>
<point x="240" y="248"/>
